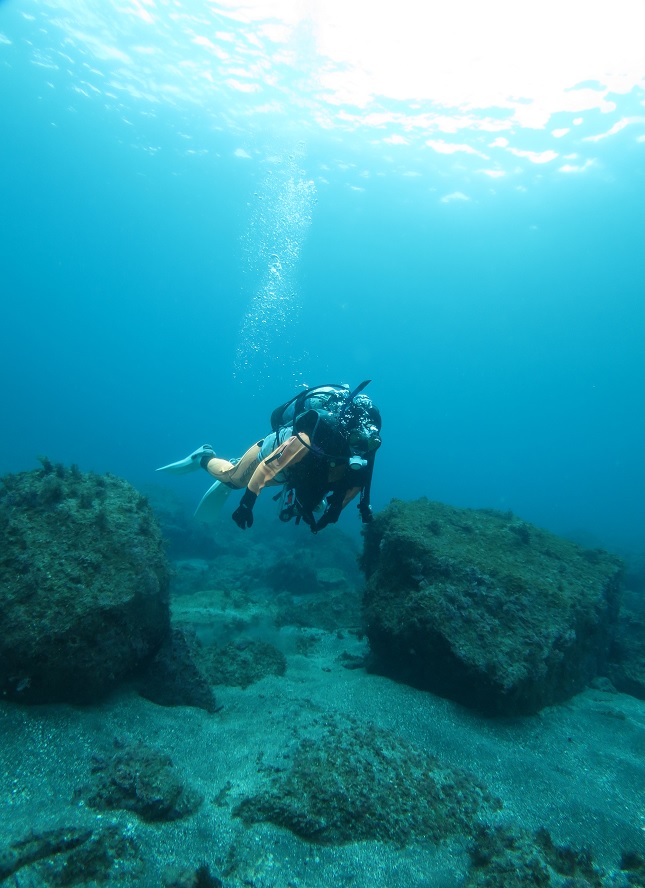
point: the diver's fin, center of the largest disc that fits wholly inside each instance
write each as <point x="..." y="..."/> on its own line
<point x="211" y="503"/>
<point x="190" y="463"/>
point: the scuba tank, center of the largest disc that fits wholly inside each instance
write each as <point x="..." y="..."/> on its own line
<point x="334" y="417"/>
<point x="330" y="398"/>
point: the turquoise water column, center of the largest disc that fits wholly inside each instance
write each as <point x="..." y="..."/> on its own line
<point x="280" y="220"/>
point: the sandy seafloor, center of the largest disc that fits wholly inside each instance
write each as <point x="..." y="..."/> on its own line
<point x="577" y="769"/>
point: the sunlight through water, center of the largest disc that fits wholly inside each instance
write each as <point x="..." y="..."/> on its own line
<point x="480" y="89"/>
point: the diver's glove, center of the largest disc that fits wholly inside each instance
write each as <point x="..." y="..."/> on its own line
<point x="322" y="522"/>
<point x="329" y="516"/>
<point x="243" y="515"/>
<point x="366" y="513"/>
<point x="198" y="459"/>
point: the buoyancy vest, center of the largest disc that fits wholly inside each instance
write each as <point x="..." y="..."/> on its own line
<point x="330" y="415"/>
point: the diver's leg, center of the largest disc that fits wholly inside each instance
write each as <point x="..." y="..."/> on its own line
<point x="235" y="475"/>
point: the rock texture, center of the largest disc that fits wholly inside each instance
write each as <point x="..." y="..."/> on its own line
<point x="84" y="582"/>
<point x="349" y="783"/>
<point x="627" y="667"/>
<point x="71" y="855"/>
<point x="242" y="663"/>
<point x="175" y="676"/>
<point x="143" y="780"/>
<point x="485" y="609"/>
<point x="516" y="858"/>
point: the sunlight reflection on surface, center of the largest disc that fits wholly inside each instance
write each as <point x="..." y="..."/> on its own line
<point x="443" y="79"/>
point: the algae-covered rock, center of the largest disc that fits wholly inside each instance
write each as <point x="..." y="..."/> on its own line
<point x="175" y="676"/>
<point x="353" y="783"/>
<point x="143" y="780"/>
<point x="39" y="846"/>
<point x="627" y="667"/>
<point x="632" y="866"/>
<point x="485" y="609"/>
<point x="84" y="583"/>
<point x="516" y="858"/>
<point x="242" y="663"/>
<point x="71" y="856"/>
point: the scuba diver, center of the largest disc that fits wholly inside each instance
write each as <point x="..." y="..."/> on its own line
<point x="321" y="451"/>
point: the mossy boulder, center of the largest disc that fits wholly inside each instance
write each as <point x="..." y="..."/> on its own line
<point x="242" y="663"/>
<point x="71" y="855"/>
<point x="351" y="783"/>
<point x="517" y="858"/>
<point x="627" y="667"/>
<point x="143" y="780"/>
<point x="175" y="676"/>
<point x="483" y="608"/>
<point x="84" y="584"/>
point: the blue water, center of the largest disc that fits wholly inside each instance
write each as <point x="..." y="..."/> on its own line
<point x="195" y="220"/>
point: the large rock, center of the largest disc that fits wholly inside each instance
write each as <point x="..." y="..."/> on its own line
<point x="347" y="783"/>
<point x="84" y="584"/>
<point x="627" y="667"/>
<point x="143" y="780"/>
<point x="72" y="855"/>
<point x="175" y="676"/>
<point x="516" y="858"/>
<point x="485" y="609"/>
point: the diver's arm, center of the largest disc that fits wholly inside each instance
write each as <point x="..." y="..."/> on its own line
<point x="349" y="495"/>
<point x="333" y="510"/>
<point x="364" y="505"/>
